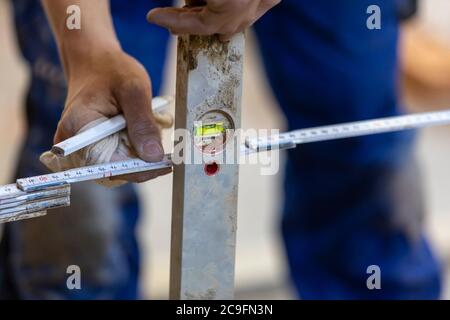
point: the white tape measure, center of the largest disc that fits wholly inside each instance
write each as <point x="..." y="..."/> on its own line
<point x="30" y="197"/>
<point x="90" y="173"/>
<point x="16" y="204"/>
<point x="103" y="130"/>
<point x="353" y="129"/>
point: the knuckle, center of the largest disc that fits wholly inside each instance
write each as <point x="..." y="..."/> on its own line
<point x="134" y="87"/>
<point x="87" y="98"/>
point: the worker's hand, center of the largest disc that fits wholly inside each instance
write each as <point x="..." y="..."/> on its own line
<point x="108" y="83"/>
<point x="223" y="17"/>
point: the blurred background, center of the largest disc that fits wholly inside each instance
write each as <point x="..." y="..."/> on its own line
<point x="261" y="271"/>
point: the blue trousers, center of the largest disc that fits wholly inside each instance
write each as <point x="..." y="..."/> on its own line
<point x="348" y="205"/>
<point x="354" y="203"/>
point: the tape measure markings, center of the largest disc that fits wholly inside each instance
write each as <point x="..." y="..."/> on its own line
<point x="89" y="173"/>
<point x="353" y="129"/>
<point x="35" y="194"/>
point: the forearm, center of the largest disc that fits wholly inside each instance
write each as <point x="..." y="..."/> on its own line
<point x="78" y="47"/>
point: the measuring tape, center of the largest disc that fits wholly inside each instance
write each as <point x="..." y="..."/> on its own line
<point x="16" y="204"/>
<point x="30" y="197"/>
<point x="103" y="130"/>
<point x="90" y="173"/>
<point x="352" y="129"/>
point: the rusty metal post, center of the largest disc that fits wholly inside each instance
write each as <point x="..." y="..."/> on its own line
<point x="204" y="213"/>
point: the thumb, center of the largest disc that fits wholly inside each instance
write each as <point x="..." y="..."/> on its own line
<point x="135" y="101"/>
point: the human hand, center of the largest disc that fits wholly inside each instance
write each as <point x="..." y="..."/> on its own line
<point x="105" y="84"/>
<point x="223" y="17"/>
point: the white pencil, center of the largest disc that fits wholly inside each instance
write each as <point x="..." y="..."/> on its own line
<point x="103" y="130"/>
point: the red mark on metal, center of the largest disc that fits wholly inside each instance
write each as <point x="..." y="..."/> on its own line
<point x="211" y="169"/>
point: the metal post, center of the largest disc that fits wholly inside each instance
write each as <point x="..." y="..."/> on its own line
<point x="204" y="213"/>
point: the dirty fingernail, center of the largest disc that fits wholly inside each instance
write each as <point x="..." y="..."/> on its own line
<point x="153" y="151"/>
<point x="152" y="16"/>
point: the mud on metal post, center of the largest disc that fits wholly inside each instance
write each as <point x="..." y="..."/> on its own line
<point x="204" y="212"/>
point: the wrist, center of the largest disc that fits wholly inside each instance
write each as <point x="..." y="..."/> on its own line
<point x="81" y="53"/>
